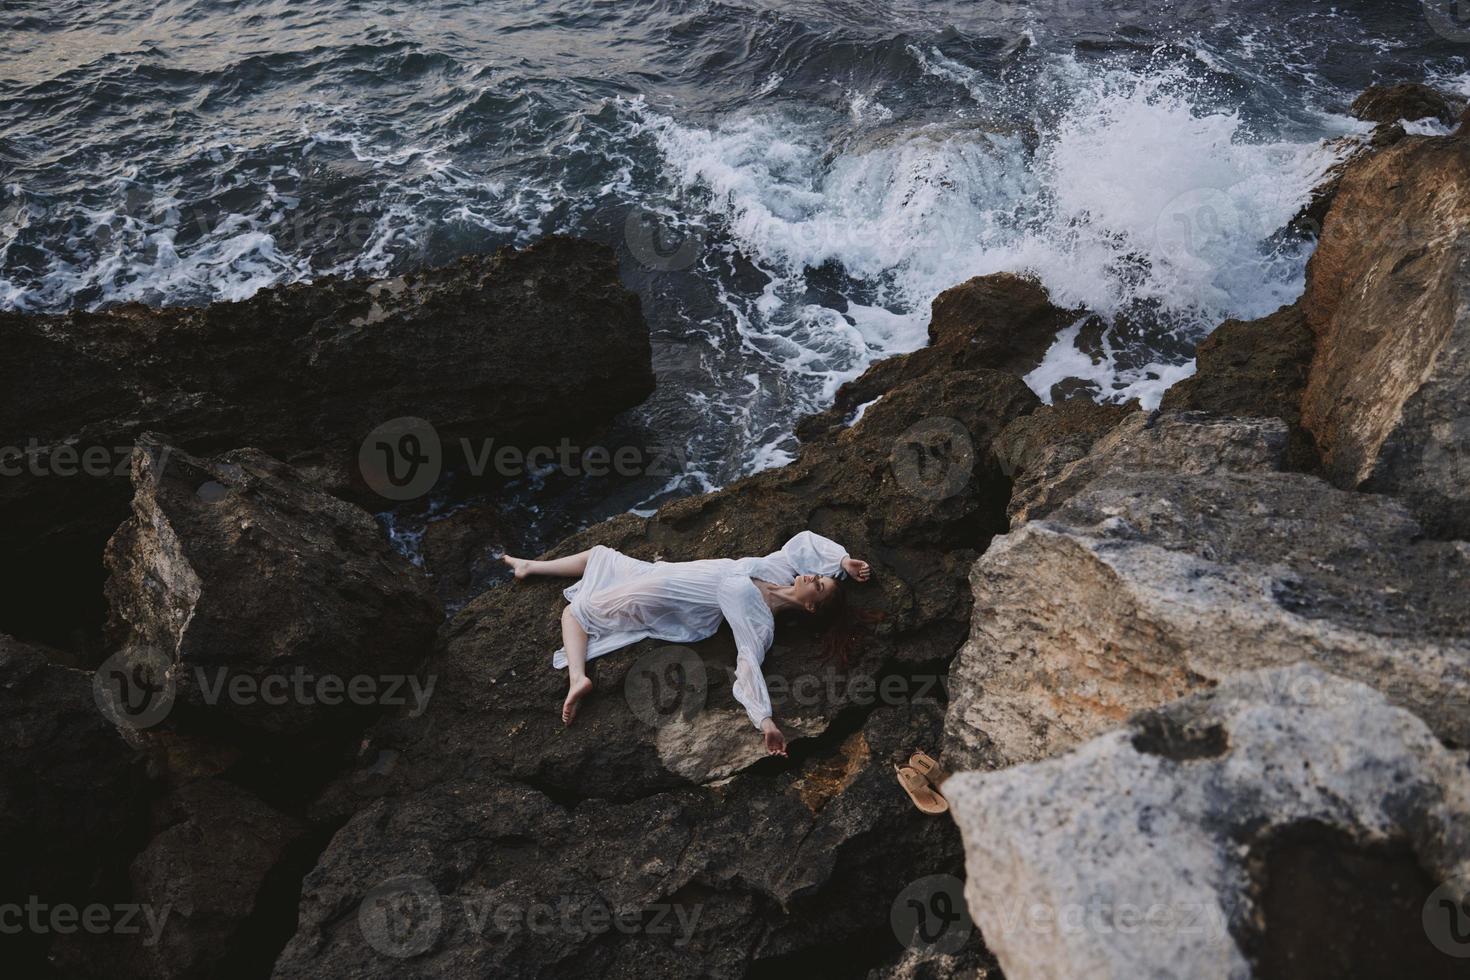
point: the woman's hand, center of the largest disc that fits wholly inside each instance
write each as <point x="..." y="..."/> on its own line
<point x="775" y="741"/>
<point x="858" y="570"/>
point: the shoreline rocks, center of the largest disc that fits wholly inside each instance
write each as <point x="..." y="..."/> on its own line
<point x="1194" y="443"/>
<point x="73" y="793"/>
<point x="1255" y="368"/>
<point x="999" y="322"/>
<point x="210" y="867"/>
<point x="523" y="347"/>
<point x="1406" y="102"/>
<point x="1202" y="680"/>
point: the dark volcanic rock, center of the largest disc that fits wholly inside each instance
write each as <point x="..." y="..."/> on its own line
<point x="789" y="864"/>
<point x="73" y="803"/>
<point x="240" y="572"/>
<point x="1255" y="368"/>
<point x="1000" y="322"/>
<point x="1410" y="100"/>
<point x="523" y="347"/>
<point x="496" y="703"/>
<point x="789" y="871"/>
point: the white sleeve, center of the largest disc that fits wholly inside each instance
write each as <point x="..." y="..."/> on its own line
<point x="813" y="554"/>
<point x="750" y="621"/>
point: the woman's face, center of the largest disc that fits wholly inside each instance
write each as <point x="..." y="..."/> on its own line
<point x="813" y="590"/>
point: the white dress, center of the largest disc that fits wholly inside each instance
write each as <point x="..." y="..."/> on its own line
<point x="621" y="600"/>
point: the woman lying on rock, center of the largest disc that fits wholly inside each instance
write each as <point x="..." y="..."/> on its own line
<point x="622" y="600"/>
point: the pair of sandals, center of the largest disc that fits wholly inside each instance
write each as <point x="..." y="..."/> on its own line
<point x="921" y="779"/>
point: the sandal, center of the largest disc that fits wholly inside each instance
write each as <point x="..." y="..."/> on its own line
<point x="925" y="797"/>
<point x="928" y="768"/>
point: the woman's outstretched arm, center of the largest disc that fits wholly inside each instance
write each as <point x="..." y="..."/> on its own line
<point x="750" y="621"/>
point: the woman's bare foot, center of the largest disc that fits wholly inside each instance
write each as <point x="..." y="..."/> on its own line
<point x="520" y="566"/>
<point x="579" y="690"/>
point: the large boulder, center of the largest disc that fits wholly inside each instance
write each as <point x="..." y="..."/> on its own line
<point x="272" y="606"/>
<point x="1150" y="584"/>
<point x="1288" y="823"/>
<point x="791" y="870"/>
<point x="1388" y="393"/>
<point x="524" y="347"/>
<point x="661" y="794"/>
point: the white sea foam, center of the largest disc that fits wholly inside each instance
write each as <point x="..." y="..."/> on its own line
<point x="128" y="251"/>
<point x="1136" y="198"/>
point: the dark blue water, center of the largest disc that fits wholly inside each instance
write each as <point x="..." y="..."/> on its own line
<point x="789" y="184"/>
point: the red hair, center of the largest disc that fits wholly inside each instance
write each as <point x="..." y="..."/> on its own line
<point x="845" y="627"/>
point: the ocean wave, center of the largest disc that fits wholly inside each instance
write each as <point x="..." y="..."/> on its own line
<point x="1135" y="200"/>
<point x="832" y="166"/>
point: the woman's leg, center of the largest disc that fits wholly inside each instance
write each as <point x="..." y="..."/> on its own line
<point x="570" y="567"/>
<point x="574" y="638"/>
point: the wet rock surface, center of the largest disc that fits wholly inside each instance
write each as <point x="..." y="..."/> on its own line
<point x="997" y="322"/>
<point x="1255" y="368"/>
<point x="1409" y="101"/>
<point x="1124" y="860"/>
